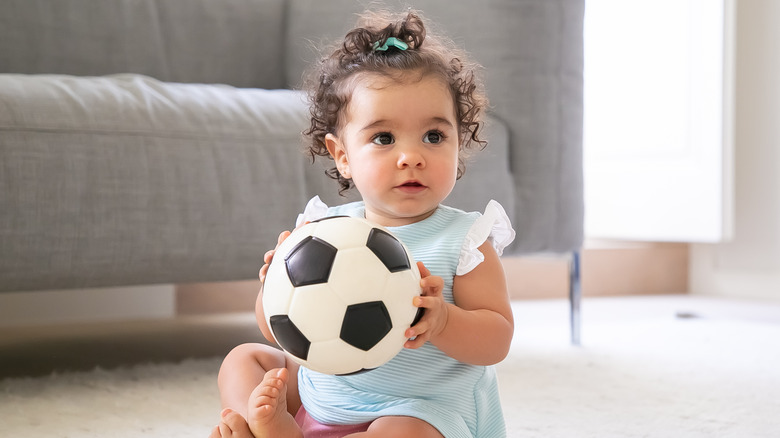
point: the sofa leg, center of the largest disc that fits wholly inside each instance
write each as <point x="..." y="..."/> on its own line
<point x="575" y="296"/>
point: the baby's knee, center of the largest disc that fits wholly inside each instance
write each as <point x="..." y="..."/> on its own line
<point x="252" y="354"/>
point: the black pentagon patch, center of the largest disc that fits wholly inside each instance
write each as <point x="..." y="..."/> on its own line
<point x="289" y="337"/>
<point x="388" y="249"/>
<point x="365" y="324"/>
<point x="310" y="262"/>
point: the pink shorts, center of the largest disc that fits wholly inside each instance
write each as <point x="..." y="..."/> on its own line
<point x="313" y="429"/>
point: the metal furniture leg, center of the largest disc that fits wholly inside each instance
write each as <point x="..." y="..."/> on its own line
<point x="575" y="296"/>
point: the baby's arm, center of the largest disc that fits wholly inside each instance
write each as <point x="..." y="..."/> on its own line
<point x="478" y="329"/>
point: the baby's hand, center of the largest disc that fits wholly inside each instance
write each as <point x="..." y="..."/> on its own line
<point x="436" y="311"/>
<point x="269" y="256"/>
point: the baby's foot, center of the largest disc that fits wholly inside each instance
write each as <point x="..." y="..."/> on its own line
<point x="268" y="416"/>
<point x="232" y="425"/>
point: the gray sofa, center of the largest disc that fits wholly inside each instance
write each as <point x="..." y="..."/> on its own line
<point x="159" y="141"/>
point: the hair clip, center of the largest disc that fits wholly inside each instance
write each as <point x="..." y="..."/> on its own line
<point x="390" y="42"/>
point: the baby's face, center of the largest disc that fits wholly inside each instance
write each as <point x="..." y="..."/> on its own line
<point x="399" y="144"/>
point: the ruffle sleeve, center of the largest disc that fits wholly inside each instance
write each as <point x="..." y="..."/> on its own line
<point x="494" y="224"/>
<point x="315" y="209"/>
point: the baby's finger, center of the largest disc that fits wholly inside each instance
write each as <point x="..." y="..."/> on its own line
<point x="424" y="272"/>
<point x="418" y="329"/>
<point x="425" y="302"/>
<point x="283" y="235"/>
<point x="268" y="256"/>
<point x="414" y="343"/>
<point x="432" y="285"/>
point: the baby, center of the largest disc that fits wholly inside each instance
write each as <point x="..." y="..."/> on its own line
<point x="396" y="109"/>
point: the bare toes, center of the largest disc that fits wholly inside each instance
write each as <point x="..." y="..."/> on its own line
<point x="233" y="425"/>
<point x="268" y="416"/>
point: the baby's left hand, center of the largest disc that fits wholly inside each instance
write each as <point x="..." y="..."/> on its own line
<point x="435" y="317"/>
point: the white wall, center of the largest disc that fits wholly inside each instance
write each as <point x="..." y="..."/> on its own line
<point x="749" y="265"/>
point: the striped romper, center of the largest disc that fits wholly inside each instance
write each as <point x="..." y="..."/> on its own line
<point x="458" y="399"/>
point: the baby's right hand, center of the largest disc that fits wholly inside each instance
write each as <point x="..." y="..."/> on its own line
<point x="269" y="256"/>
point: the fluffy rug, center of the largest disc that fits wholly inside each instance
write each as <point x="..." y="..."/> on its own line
<point x="649" y="367"/>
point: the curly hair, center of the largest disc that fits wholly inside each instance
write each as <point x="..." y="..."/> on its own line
<point x="333" y="79"/>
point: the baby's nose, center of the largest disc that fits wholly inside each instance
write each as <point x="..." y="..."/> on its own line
<point x="410" y="157"/>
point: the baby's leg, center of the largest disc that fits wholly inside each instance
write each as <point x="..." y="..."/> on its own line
<point x="269" y="416"/>
<point x="243" y="370"/>
<point x="399" y="427"/>
<point x="243" y="373"/>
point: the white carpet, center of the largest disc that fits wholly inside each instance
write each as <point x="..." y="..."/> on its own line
<point x="643" y="371"/>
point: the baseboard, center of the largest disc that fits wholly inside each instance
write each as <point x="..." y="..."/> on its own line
<point x="223" y="297"/>
<point x="608" y="269"/>
<point x="87" y="305"/>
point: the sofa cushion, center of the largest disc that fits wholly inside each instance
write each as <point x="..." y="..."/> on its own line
<point x="128" y="180"/>
<point x="234" y="42"/>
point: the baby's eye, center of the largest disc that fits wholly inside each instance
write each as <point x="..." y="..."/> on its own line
<point x="383" y="138"/>
<point x="433" y="137"/>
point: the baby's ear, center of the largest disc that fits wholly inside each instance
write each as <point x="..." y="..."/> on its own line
<point x="338" y="151"/>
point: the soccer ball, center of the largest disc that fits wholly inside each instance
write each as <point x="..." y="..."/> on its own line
<point x="338" y="295"/>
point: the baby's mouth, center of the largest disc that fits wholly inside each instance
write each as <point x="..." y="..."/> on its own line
<point x="411" y="186"/>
